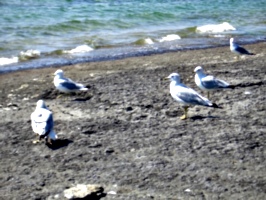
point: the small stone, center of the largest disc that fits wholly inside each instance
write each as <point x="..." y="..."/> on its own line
<point x="109" y="151"/>
<point x="111" y="192"/>
<point x="10" y="95"/>
<point x="187" y="190"/>
<point x="12" y="105"/>
<point x="23" y="86"/>
<point x="128" y="109"/>
<point x="83" y="191"/>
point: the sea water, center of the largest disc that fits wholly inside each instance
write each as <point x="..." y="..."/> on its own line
<point x="42" y="33"/>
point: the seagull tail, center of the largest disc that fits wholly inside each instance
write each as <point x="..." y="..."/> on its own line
<point x="231" y="86"/>
<point x="52" y="135"/>
<point x="214" y="105"/>
<point x="252" y="54"/>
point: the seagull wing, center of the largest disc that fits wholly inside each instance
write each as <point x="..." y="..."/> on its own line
<point x="210" y="82"/>
<point x="71" y="85"/>
<point x="242" y="50"/>
<point x="189" y="96"/>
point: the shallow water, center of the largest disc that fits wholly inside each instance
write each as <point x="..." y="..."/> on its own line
<point x="115" y="29"/>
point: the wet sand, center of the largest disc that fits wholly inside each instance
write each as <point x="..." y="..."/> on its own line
<point x="125" y="133"/>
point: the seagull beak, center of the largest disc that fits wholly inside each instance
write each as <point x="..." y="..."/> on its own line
<point x="166" y="78"/>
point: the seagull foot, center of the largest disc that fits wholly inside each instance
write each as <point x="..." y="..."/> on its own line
<point x="59" y="96"/>
<point x="36" y="141"/>
<point x="183" y="117"/>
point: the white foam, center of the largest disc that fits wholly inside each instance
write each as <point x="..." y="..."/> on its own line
<point x="215" y="28"/>
<point x="170" y="37"/>
<point x="79" y="49"/>
<point x="29" y="54"/>
<point x="7" y="61"/>
<point x="148" y="41"/>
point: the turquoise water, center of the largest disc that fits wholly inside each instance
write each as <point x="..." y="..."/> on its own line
<point x="115" y="29"/>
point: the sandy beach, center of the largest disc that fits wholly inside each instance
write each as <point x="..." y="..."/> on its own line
<point x="125" y="133"/>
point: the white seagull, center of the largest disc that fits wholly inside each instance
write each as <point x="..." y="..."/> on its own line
<point x="208" y="82"/>
<point x="42" y="123"/>
<point x="235" y="48"/>
<point x="66" y="85"/>
<point x="186" y="96"/>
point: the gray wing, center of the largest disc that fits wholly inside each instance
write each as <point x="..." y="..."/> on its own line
<point x="194" y="99"/>
<point x="211" y="82"/>
<point x="242" y="50"/>
<point x="190" y="96"/>
<point x="50" y="124"/>
<point x="71" y="85"/>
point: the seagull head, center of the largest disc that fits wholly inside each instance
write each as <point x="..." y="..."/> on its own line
<point x="231" y="40"/>
<point x="198" y="69"/>
<point x="59" y="73"/>
<point x="41" y="104"/>
<point x="174" y="77"/>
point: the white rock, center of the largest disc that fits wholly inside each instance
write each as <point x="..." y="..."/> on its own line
<point x="187" y="190"/>
<point x="82" y="190"/>
<point x="111" y="192"/>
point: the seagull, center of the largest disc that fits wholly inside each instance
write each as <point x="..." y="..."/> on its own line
<point x="186" y="96"/>
<point x="42" y="123"/>
<point x="235" y="48"/>
<point x="66" y="85"/>
<point x="208" y="82"/>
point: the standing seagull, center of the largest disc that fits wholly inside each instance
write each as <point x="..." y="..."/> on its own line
<point x="66" y="85"/>
<point x="235" y="48"/>
<point x="42" y="123"/>
<point x="208" y="82"/>
<point x="186" y="96"/>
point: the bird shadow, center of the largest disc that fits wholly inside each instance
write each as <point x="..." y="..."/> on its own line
<point x="86" y="97"/>
<point x="59" y="143"/>
<point x="93" y="196"/>
<point x="198" y="117"/>
<point x="249" y="84"/>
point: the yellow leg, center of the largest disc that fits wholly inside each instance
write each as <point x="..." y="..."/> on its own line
<point x="36" y="141"/>
<point x="185" y="113"/>
<point x="208" y="95"/>
<point x="237" y="58"/>
<point x="59" y="96"/>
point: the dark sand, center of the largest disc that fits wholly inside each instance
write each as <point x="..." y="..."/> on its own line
<point x="125" y="133"/>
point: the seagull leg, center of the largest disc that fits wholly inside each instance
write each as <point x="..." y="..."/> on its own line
<point x="49" y="141"/>
<point x="59" y="96"/>
<point x="36" y="141"/>
<point x="208" y="95"/>
<point x="185" y="113"/>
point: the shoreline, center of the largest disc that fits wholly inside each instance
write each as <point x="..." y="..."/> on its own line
<point x="102" y="55"/>
<point x="125" y="133"/>
<point x="93" y="65"/>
